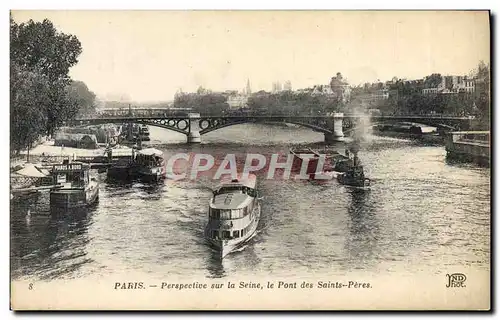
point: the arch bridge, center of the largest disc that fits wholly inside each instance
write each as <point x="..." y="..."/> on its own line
<point x="332" y="126"/>
<point x="443" y="123"/>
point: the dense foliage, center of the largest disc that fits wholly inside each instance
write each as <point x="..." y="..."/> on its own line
<point x="42" y="95"/>
<point x="402" y="97"/>
<point x="407" y="97"/>
<point x="293" y="103"/>
<point x="203" y="101"/>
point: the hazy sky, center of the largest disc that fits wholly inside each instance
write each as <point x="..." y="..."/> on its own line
<point x="149" y="55"/>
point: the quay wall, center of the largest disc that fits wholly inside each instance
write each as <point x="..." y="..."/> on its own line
<point x="469" y="146"/>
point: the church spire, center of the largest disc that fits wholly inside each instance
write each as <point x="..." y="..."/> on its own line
<point x="248" y="89"/>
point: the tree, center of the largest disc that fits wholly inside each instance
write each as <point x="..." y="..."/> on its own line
<point x="201" y="90"/>
<point x="80" y="95"/>
<point x="433" y="80"/>
<point x="205" y="103"/>
<point x="482" y="99"/>
<point x="38" y="48"/>
<point x="28" y="91"/>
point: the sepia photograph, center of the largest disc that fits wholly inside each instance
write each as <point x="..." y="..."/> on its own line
<point x="250" y="160"/>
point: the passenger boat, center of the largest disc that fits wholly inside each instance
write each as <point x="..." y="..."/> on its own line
<point x="234" y="213"/>
<point x="144" y="133"/>
<point x="149" y="164"/>
<point x="74" y="186"/>
<point x="133" y="133"/>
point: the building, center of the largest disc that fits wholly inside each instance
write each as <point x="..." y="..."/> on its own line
<point x="322" y="89"/>
<point x="430" y="91"/>
<point x="453" y="85"/>
<point x="287" y="86"/>
<point x="376" y="95"/>
<point x="467" y="85"/>
<point x="382" y="94"/>
<point x="277" y="87"/>
<point x="248" y="90"/>
<point x="237" y="101"/>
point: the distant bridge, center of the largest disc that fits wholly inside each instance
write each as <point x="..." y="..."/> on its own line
<point x="442" y="122"/>
<point x="333" y="126"/>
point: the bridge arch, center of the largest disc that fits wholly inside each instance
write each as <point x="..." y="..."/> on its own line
<point x="350" y="129"/>
<point x="177" y="125"/>
<point x="205" y="130"/>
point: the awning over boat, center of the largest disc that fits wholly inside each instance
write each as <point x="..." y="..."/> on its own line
<point x="45" y="172"/>
<point x="31" y="171"/>
<point x="249" y="181"/>
<point x="150" y="152"/>
<point x="228" y="201"/>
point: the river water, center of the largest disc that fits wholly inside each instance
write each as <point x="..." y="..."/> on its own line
<point x="421" y="214"/>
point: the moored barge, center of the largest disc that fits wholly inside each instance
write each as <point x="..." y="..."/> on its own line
<point x="74" y="187"/>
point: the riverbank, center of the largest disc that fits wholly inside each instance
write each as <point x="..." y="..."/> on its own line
<point x="469" y="146"/>
<point x="48" y="149"/>
<point x="425" y="138"/>
<point x="433" y="191"/>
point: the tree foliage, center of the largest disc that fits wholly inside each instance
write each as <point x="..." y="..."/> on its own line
<point x="407" y="97"/>
<point x="433" y="80"/>
<point x="293" y="103"/>
<point x="42" y="94"/>
<point x="482" y="100"/>
<point x="28" y="90"/>
<point x="80" y="95"/>
<point x="203" y="102"/>
<point x="39" y="47"/>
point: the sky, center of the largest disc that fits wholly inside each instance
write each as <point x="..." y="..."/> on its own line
<point x="147" y="56"/>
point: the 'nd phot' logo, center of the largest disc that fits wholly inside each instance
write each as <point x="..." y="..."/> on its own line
<point x="456" y="280"/>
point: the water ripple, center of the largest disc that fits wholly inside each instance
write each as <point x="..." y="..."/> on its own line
<point x="421" y="214"/>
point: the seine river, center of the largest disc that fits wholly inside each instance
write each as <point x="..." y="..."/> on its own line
<point x="422" y="214"/>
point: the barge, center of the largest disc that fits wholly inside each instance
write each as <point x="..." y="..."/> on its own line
<point x="74" y="187"/>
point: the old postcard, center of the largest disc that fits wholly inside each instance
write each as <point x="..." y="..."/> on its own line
<point x="250" y="160"/>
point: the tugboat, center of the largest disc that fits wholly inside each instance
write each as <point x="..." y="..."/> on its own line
<point x="354" y="176"/>
<point x="234" y="213"/>
<point x="342" y="163"/>
<point x="74" y="188"/>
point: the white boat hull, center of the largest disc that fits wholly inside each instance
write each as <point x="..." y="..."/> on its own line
<point x="225" y="247"/>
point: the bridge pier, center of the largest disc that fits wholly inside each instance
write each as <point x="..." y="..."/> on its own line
<point x="194" y="135"/>
<point x="337" y="134"/>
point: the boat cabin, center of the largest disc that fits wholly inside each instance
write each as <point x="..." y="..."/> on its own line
<point x="233" y="200"/>
<point x="241" y="189"/>
<point x="74" y="175"/>
<point x="234" y="213"/>
<point x="149" y="157"/>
